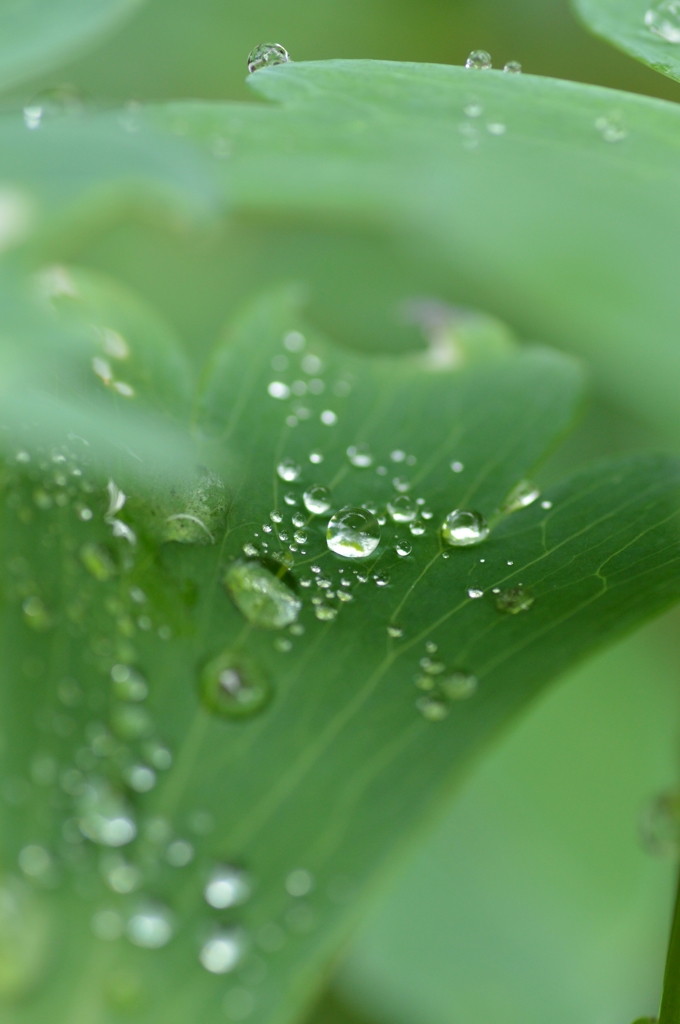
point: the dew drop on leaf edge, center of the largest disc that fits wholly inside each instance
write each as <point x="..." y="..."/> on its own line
<point x="479" y="60"/>
<point x="267" y="55"/>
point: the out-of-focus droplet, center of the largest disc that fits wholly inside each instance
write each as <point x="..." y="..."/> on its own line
<point x="480" y="60"/>
<point x="514" y="600"/>
<point x="263" y="598"/>
<point x="663" y="19"/>
<point x="234" y="686"/>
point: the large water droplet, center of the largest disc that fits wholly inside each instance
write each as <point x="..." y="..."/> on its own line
<point x="521" y="496"/>
<point x="263" y="598"/>
<point x="403" y="548"/>
<point x="463" y="528"/>
<point x="221" y="953"/>
<point x="480" y="60"/>
<point x="234" y="687"/>
<point x="402" y="509"/>
<point x="514" y="600"/>
<point x="353" y="533"/>
<point x="150" y="927"/>
<point x="264" y="56"/>
<point x="513" y="67"/>
<point x="228" y="887"/>
<point x="663" y="19"/>
<point x="288" y="470"/>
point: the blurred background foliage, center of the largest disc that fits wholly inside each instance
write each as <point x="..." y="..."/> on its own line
<point x="534" y="898"/>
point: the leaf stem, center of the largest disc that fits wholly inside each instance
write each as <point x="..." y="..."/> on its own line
<point x="670" y="1002"/>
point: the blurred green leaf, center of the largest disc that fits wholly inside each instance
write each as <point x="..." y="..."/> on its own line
<point x="648" y="30"/>
<point x="539" y="207"/>
<point x="37" y="35"/>
<point x="312" y="795"/>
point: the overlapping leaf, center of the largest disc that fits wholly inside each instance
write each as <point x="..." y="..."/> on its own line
<point x="648" y="30"/>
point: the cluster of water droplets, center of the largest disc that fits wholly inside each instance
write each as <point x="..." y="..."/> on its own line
<point x="480" y="60"/>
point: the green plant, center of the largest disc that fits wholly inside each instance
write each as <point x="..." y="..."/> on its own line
<point x="224" y="716"/>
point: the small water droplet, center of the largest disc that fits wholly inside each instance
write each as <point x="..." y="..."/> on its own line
<point x="513" y="67"/>
<point x="474" y="594"/>
<point x="223" y="951"/>
<point x="228" y="887"/>
<point x="496" y="128"/>
<point x="417" y="528"/>
<point x="325" y="612"/>
<point x="457" y="467"/>
<point x="514" y="600"/>
<point x="317" y="499"/>
<point x="140" y="778"/>
<point x="432" y="709"/>
<point x="546" y="504"/>
<point x="329" y="418"/>
<point x="234" y="687"/>
<point x="521" y="496"/>
<point x="62" y="101"/>
<point x="433" y="668"/>
<point x="660" y="825"/>
<point x="663" y="19"/>
<point x="403" y="548"/>
<point x="263" y="598"/>
<point x="353" y="533"/>
<point x="431" y="647"/>
<point x="290" y="498"/>
<point x="360" y="456"/>
<point x="128" y="684"/>
<point x="463" y="528"/>
<point x="299" y="882"/>
<point x="179" y="853"/>
<point x="103" y="816"/>
<point x="611" y="128"/>
<point x="458" y="686"/>
<point x="402" y="509"/>
<point x="396" y="632"/>
<point x="473" y="110"/>
<point x="267" y="55"/>
<point x="250" y="550"/>
<point x="277" y="389"/>
<point x="315" y="458"/>
<point x="150" y="927"/>
<point x="294" y="341"/>
<point x="288" y="470"/>
<point x="381" y="579"/>
<point x="479" y="60"/>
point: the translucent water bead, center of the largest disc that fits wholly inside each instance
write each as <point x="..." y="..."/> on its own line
<point x="353" y="533"/>
<point x="463" y="528"/>
<point x="480" y="60"/>
<point x="267" y="55"/>
<point x="663" y="19"/>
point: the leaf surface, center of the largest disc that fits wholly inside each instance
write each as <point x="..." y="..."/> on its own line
<point x="312" y="795"/>
<point x="37" y="35"/>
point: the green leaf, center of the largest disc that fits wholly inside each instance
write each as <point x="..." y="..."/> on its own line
<point x="670" y="1003"/>
<point x="38" y="35"/>
<point x="648" y="30"/>
<point x="343" y="754"/>
<point x="518" y="224"/>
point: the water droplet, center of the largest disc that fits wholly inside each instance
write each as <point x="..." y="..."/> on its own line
<point x="120" y="876"/>
<point x="353" y="533"/>
<point x="294" y="341"/>
<point x="329" y="418"/>
<point x="228" y="887"/>
<point x="288" y="470"/>
<point x="457" y="467"/>
<point x="192" y="514"/>
<point x="396" y="632"/>
<point x="473" y="110"/>
<point x="128" y="684"/>
<point x="513" y="67"/>
<point x="277" y="389"/>
<point x="663" y="19"/>
<point x="521" y="496"/>
<point x="263" y="56"/>
<point x="403" y="548"/>
<point x="300" y="536"/>
<point x="299" y="882"/>
<point x="36" y="614"/>
<point x="150" y="927"/>
<point x="234" y="688"/>
<point x="276" y="516"/>
<point x="179" y="853"/>
<point x="496" y="128"/>
<point x="514" y="600"/>
<point x="140" y="778"/>
<point x="480" y="60"/>
<point x="402" y="509"/>
<point x="660" y="825"/>
<point x="463" y="528"/>
<point x="474" y="594"/>
<point x="263" y="598"/>
<point x="315" y="458"/>
<point x="98" y="562"/>
<point x="458" y="686"/>
<point x="317" y="499"/>
<point x="432" y="709"/>
<point x="325" y="612"/>
<point x="611" y="128"/>
<point x="381" y="579"/>
<point x="431" y="647"/>
<point x="433" y="668"/>
<point x="131" y="722"/>
<point x="546" y="504"/>
<point x="360" y="456"/>
<point x="417" y="528"/>
<point x="103" y="816"/>
<point x="63" y="100"/>
<point x="221" y="953"/>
